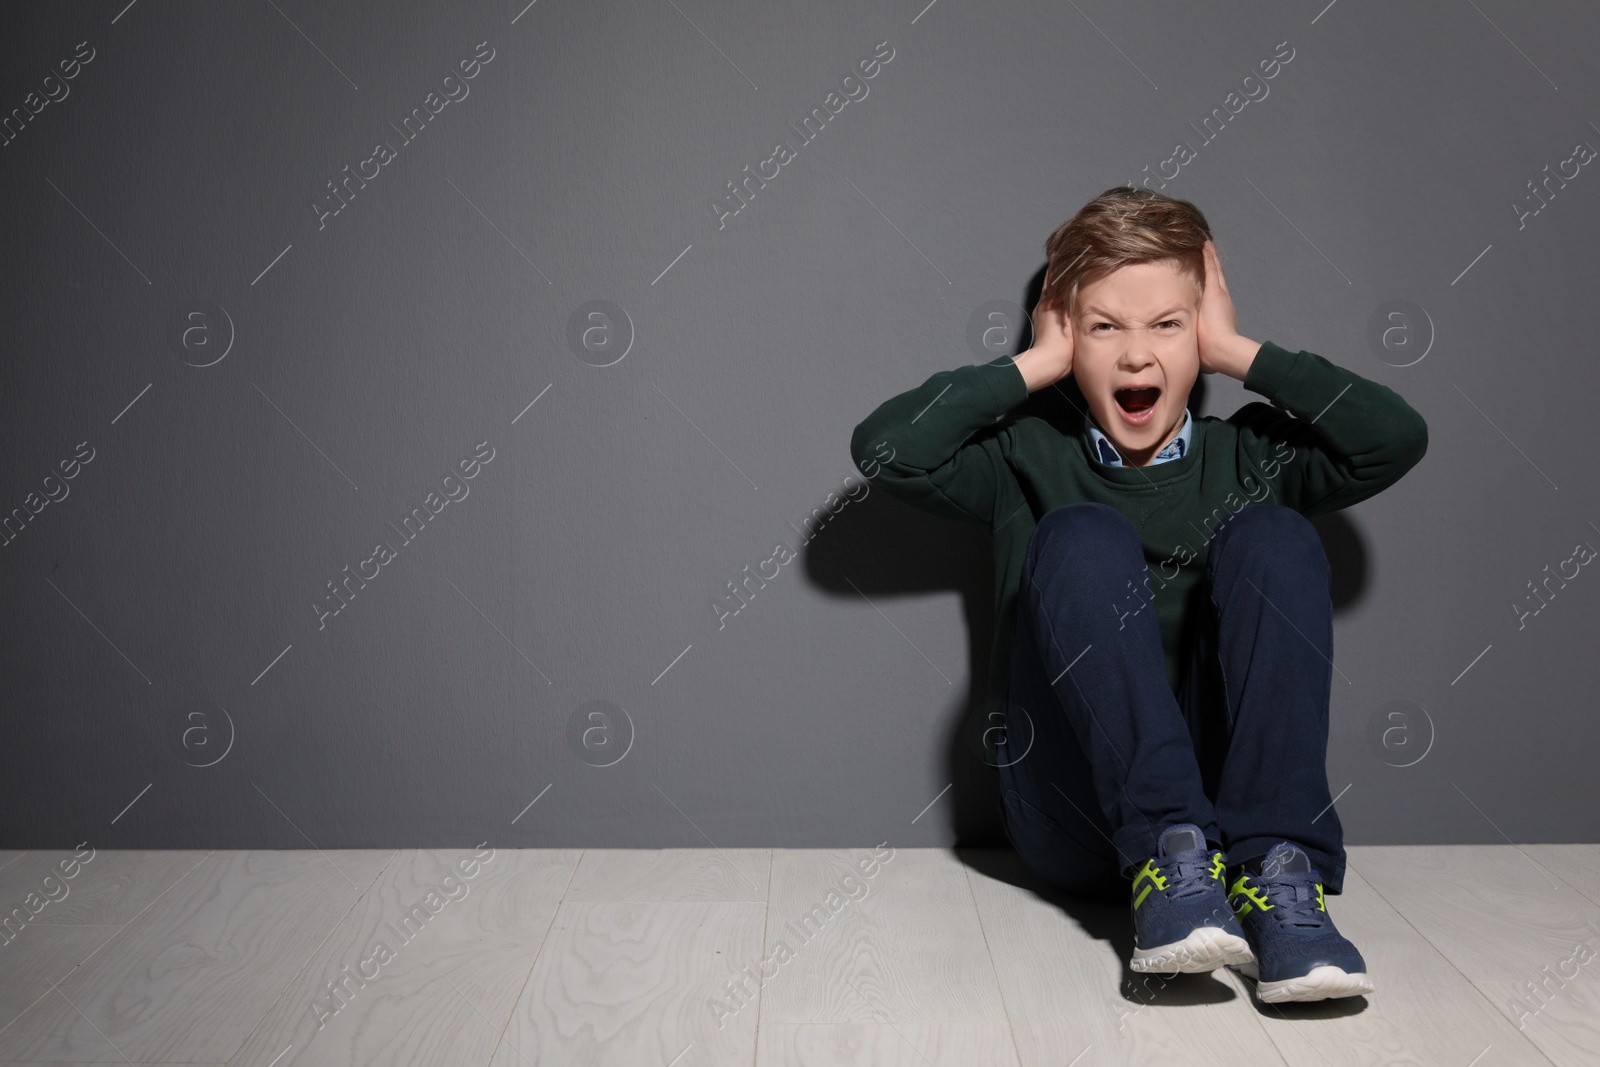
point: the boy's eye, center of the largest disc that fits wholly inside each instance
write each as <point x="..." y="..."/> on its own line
<point x="1107" y="325"/>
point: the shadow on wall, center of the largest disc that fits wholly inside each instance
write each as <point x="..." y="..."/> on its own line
<point x="890" y="549"/>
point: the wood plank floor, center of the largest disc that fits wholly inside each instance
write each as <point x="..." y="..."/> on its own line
<point x="1482" y="955"/>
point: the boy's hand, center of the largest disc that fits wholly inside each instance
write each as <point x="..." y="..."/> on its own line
<point x="1050" y="358"/>
<point x="1216" y="328"/>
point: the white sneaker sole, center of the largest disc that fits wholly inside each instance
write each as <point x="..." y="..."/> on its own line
<point x="1205" y="949"/>
<point x="1322" y="983"/>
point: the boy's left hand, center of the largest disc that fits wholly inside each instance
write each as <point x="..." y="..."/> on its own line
<point x="1216" y="327"/>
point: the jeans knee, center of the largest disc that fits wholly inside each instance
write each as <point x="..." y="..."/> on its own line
<point x="1270" y="532"/>
<point x="1079" y="540"/>
<point x="1077" y="524"/>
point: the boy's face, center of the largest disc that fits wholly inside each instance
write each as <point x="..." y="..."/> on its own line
<point x="1136" y="328"/>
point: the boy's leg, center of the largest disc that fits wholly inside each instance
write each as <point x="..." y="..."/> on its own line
<point x="1271" y="642"/>
<point x="1048" y="804"/>
<point x="1083" y="581"/>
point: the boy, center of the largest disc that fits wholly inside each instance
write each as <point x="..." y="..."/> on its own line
<point x="1154" y="547"/>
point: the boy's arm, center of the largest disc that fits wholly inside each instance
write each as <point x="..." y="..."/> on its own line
<point x="1350" y="438"/>
<point x="935" y="448"/>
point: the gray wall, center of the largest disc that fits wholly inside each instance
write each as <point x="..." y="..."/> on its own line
<point x="267" y="389"/>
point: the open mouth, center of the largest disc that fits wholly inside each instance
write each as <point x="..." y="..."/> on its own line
<point x="1137" y="405"/>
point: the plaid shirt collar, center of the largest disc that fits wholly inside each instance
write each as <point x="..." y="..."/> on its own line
<point x="1101" y="445"/>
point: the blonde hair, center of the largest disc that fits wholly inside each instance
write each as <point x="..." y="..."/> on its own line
<point x="1122" y="226"/>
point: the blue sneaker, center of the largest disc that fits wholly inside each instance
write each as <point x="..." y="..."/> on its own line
<point x="1181" y="918"/>
<point x="1299" y="955"/>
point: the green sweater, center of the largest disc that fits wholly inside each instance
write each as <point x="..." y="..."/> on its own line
<point x="951" y="447"/>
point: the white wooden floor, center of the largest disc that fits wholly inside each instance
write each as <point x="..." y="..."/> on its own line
<point x="932" y="956"/>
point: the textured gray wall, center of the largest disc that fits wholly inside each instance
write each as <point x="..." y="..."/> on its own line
<point x="262" y="389"/>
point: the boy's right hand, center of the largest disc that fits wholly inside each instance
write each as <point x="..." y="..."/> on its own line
<point x="1050" y="358"/>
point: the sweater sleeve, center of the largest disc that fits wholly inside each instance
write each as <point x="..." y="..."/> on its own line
<point x="1329" y="438"/>
<point x="937" y="448"/>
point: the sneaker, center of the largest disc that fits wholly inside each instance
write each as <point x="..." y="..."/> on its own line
<point x="1299" y="955"/>
<point x="1181" y="918"/>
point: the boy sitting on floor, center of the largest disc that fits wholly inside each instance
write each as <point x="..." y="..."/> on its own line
<point x="1164" y="630"/>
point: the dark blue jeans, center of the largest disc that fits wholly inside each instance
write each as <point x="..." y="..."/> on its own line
<point x="1098" y="755"/>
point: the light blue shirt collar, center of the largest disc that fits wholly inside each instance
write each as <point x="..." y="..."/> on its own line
<point x="1102" y="447"/>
